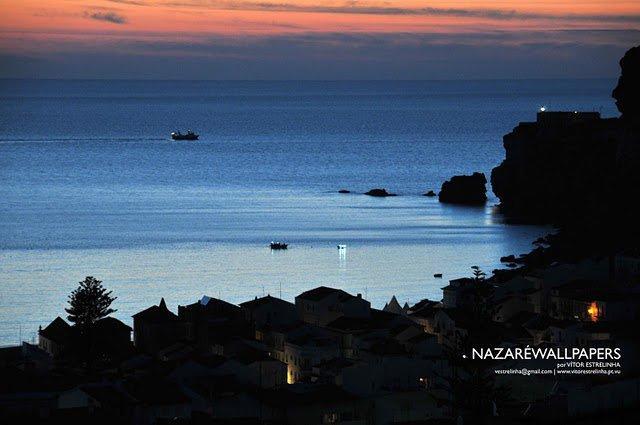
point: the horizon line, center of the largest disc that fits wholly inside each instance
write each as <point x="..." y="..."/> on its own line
<point x="274" y="80"/>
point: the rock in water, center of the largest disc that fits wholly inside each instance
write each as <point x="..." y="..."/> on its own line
<point x="466" y="190"/>
<point x="430" y="193"/>
<point x="379" y="193"/>
<point x="344" y="191"/>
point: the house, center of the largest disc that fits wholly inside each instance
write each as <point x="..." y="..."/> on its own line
<point x="452" y="293"/>
<point x="304" y="351"/>
<point x="259" y="367"/>
<point x="25" y="357"/>
<point x="398" y="369"/>
<point x="112" y="338"/>
<point x="466" y="293"/>
<point x="274" y="336"/>
<point x="105" y="399"/>
<point x="423" y="314"/>
<point x="452" y="327"/>
<point x="262" y="370"/>
<point x="588" y="300"/>
<point x="210" y="322"/>
<point x="322" y="305"/>
<point x="156" y="328"/>
<point x="56" y="338"/>
<point x="269" y="311"/>
<point x="511" y="305"/>
<point x="351" y="333"/>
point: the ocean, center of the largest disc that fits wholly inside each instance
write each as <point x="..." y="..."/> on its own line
<point x="91" y="184"/>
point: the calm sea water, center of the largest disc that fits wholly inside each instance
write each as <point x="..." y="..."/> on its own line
<point x="91" y="185"/>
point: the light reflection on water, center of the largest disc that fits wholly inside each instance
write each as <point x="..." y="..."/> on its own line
<point x="35" y="283"/>
<point x="91" y="185"/>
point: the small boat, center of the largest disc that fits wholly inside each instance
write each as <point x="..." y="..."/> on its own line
<point x="278" y="245"/>
<point x="190" y="135"/>
<point x="438" y="275"/>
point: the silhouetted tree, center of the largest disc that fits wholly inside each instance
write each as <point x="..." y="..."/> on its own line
<point x="478" y="274"/>
<point x="89" y="303"/>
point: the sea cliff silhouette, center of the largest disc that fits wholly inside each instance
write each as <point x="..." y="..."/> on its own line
<point x="579" y="172"/>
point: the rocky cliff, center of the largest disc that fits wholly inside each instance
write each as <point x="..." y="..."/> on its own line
<point x="578" y="171"/>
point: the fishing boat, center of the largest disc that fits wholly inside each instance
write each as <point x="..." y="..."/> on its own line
<point x="278" y="245"/>
<point x="190" y="135"/>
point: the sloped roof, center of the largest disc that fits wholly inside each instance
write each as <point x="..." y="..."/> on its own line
<point x="345" y="323"/>
<point x="258" y="302"/>
<point x="321" y="292"/>
<point x="216" y="303"/>
<point x="112" y="324"/>
<point x="58" y="330"/>
<point x="423" y="303"/>
<point x="393" y="306"/>
<point x="157" y="314"/>
<point x="107" y="395"/>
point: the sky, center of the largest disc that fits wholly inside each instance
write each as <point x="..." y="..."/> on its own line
<point x="315" y="39"/>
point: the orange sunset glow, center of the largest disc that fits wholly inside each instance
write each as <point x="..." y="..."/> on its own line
<point x="32" y="29"/>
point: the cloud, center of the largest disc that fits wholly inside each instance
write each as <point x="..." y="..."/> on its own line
<point x="356" y="8"/>
<point x="112" y="17"/>
<point x="490" y="54"/>
<point x="131" y="2"/>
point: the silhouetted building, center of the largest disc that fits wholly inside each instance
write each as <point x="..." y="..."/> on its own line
<point x="105" y="400"/>
<point x="156" y="328"/>
<point x="565" y="118"/>
<point x="322" y="305"/>
<point x="112" y="337"/>
<point x="56" y="338"/>
<point x="211" y="322"/>
<point x="270" y="311"/>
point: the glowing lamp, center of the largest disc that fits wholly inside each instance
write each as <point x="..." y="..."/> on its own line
<point x="594" y="311"/>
